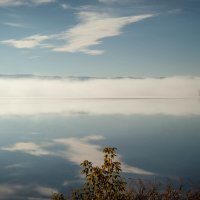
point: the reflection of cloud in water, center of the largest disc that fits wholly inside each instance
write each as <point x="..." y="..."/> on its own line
<point x="16" y="165"/>
<point x="44" y="191"/>
<point x="29" y="148"/>
<point x="6" y="190"/>
<point x="12" y="191"/>
<point x="77" y="150"/>
<point x="176" y="107"/>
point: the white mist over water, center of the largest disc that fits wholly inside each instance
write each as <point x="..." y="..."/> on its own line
<point x="33" y="95"/>
<point x="173" y="107"/>
<point x="48" y="87"/>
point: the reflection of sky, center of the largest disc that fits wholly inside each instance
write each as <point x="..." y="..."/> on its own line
<point x="41" y="153"/>
<point x="76" y="150"/>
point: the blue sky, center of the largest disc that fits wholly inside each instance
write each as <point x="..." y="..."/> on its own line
<point x="101" y="38"/>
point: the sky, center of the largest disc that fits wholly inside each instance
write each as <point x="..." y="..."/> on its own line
<point x="100" y="38"/>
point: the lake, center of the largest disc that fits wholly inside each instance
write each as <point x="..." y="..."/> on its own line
<point x="43" y="141"/>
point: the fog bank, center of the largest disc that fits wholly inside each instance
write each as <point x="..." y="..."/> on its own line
<point x="48" y="87"/>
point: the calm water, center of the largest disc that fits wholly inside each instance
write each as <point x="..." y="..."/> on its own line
<point x="43" y="141"/>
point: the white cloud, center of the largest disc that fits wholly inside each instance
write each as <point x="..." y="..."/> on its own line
<point x="113" y="1"/>
<point x="121" y="1"/>
<point x="90" y="31"/>
<point x="12" y="24"/>
<point x="92" y="137"/>
<point x="34" y="57"/>
<point x="28" y="42"/>
<point x="94" y="27"/>
<point x="23" y="2"/>
<point x="42" y="1"/>
<point x="65" y="6"/>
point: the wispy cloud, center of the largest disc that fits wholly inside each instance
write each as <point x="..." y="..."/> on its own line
<point x="65" y="6"/>
<point x="16" y="25"/>
<point x="34" y="57"/>
<point x="115" y="1"/>
<point x="28" y="42"/>
<point x="23" y="2"/>
<point x="92" y="28"/>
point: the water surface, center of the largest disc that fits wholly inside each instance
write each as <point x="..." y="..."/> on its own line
<point x="43" y="141"/>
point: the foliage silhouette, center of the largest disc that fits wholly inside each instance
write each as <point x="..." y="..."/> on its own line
<point x="102" y="182"/>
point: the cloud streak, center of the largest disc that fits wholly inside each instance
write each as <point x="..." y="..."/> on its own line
<point x="28" y="42"/>
<point x="115" y="1"/>
<point x="6" y="3"/>
<point x="16" y="25"/>
<point x="65" y="6"/>
<point x="92" y="28"/>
